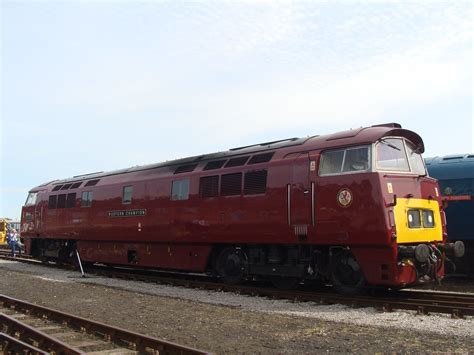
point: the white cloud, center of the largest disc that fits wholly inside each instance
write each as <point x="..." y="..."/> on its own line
<point x="362" y="90"/>
<point x="361" y="97"/>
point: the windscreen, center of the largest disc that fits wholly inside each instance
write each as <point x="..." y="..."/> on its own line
<point x="31" y="200"/>
<point x="393" y="154"/>
<point x="416" y="161"/>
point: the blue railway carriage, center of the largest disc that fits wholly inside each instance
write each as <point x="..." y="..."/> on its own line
<point x="455" y="174"/>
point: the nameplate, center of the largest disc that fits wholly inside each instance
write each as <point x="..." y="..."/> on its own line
<point x="127" y="213"/>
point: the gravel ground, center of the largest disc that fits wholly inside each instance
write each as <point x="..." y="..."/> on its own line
<point x="229" y="323"/>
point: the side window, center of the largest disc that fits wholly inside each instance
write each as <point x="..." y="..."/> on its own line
<point x="52" y="201"/>
<point x="180" y="190"/>
<point x="86" y="200"/>
<point x="127" y="194"/>
<point x="331" y="162"/>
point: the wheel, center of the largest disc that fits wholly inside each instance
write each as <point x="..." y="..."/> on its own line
<point x="346" y="275"/>
<point x="285" y="283"/>
<point x="230" y="265"/>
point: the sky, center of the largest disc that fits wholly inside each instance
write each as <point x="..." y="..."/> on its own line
<point x="92" y="86"/>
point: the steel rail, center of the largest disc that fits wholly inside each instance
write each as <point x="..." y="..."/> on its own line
<point x="12" y="345"/>
<point x="27" y="333"/>
<point x="137" y="342"/>
<point x="456" y="304"/>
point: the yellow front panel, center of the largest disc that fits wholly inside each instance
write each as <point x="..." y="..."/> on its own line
<point x="416" y="235"/>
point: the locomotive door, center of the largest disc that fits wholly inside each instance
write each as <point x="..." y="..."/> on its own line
<point x="38" y="218"/>
<point x="299" y="216"/>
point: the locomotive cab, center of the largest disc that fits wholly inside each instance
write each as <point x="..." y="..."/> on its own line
<point x="387" y="216"/>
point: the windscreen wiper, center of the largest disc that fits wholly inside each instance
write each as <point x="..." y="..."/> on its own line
<point x="390" y="145"/>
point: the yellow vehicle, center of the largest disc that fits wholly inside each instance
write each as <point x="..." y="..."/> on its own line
<point x="3" y="230"/>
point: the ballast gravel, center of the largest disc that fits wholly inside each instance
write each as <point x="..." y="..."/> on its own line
<point x="248" y="324"/>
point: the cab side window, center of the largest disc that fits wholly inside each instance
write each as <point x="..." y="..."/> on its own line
<point x="345" y="161"/>
<point x="356" y="159"/>
<point x="331" y="162"/>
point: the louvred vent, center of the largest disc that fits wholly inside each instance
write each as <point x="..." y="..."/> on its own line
<point x="261" y="158"/>
<point x="76" y="185"/>
<point x="52" y="201"/>
<point x="65" y="187"/>
<point x="255" y="182"/>
<point x="57" y="187"/>
<point x="71" y="200"/>
<point x="185" y="168"/>
<point x="209" y="186"/>
<point x="61" y="201"/>
<point x="236" y="162"/>
<point x="231" y="184"/>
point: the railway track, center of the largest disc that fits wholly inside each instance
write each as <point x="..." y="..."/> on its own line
<point x="31" y="329"/>
<point x="458" y="305"/>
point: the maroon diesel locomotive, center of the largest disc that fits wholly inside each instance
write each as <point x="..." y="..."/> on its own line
<point x="355" y="208"/>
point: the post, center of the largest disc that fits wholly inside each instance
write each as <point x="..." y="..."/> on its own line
<point x="80" y="264"/>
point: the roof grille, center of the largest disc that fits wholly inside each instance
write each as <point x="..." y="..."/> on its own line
<point x="76" y="185"/>
<point x="261" y="158"/>
<point x="185" y="168"/>
<point x="92" y="182"/>
<point x="65" y="187"/>
<point x="236" y="161"/>
<point x="57" y="187"/>
<point x="216" y="164"/>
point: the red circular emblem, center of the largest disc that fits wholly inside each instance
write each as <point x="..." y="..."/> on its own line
<point x="344" y="197"/>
